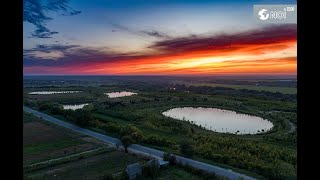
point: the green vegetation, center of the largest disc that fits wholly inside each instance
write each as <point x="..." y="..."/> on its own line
<point x="138" y="119"/>
<point x="284" y="90"/>
<point x="43" y="147"/>
<point x="61" y="160"/>
<point x="130" y="135"/>
<point x="174" y="173"/>
<point x="187" y="148"/>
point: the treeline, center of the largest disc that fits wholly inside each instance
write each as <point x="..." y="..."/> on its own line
<point x="236" y="92"/>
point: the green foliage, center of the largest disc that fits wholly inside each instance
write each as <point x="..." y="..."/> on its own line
<point x="204" y="174"/>
<point x="129" y="135"/>
<point x="111" y="127"/>
<point x="44" y="106"/>
<point x="187" y="148"/>
<point x="126" y="141"/>
<point x="159" y="141"/>
<point x="29" y="103"/>
<point x="82" y="117"/>
<point x="257" y="157"/>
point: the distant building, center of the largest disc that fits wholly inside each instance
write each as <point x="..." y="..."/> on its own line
<point x="133" y="170"/>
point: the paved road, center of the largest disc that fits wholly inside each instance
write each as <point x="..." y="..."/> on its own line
<point x="135" y="148"/>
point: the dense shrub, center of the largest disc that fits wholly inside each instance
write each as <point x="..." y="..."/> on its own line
<point x="159" y="141"/>
<point x="206" y="175"/>
<point x="186" y="148"/>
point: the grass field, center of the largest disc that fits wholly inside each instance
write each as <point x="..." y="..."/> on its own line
<point x="284" y="90"/>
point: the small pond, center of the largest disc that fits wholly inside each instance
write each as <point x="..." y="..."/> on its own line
<point x="75" y="106"/>
<point x="52" y="92"/>
<point x="119" y="94"/>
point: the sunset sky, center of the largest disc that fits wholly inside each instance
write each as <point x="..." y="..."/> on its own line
<point x="158" y="37"/>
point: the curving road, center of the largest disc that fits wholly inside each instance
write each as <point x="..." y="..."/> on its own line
<point x="135" y="148"/>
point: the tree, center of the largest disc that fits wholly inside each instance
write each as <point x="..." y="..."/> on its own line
<point x="56" y="110"/>
<point x="126" y="142"/>
<point x="129" y="135"/>
<point x="81" y="117"/>
<point x="44" y="106"/>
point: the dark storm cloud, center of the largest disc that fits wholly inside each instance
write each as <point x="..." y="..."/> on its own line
<point x="267" y="35"/>
<point x="36" y="13"/>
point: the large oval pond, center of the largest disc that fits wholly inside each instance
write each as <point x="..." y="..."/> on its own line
<point x="220" y="120"/>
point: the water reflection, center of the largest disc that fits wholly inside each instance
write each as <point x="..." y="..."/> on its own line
<point x="220" y="120"/>
<point x="52" y="92"/>
<point x="75" y="106"/>
<point x="119" y="94"/>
